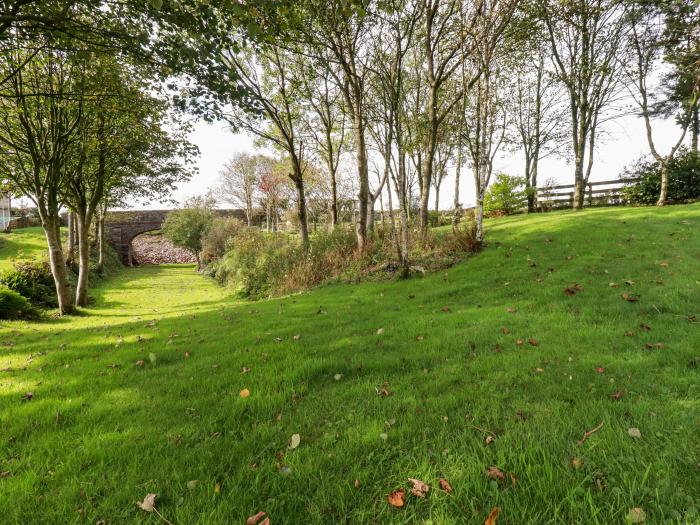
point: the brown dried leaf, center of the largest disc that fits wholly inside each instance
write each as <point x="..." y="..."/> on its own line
<point x="600" y="369"/>
<point x="419" y="489"/>
<point x="491" y="518"/>
<point x="253" y="520"/>
<point x="615" y="396"/>
<point x="577" y="463"/>
<point x="244" y="393"/>
<point x="495" y="473"/>
<point x="505" y="330"/>
<point x="445" y="485"/>
<point x="396" y="498"/>
<point x="28" y="396"/>
<point x="533" y="341"/>
<point x="632" y="298"/>
<point x="149" y="503"/>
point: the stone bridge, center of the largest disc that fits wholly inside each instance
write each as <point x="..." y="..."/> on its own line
<point x="122" y="226"/>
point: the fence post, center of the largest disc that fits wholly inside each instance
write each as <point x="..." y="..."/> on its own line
<point x="571" y="194"/>
<point x="590" y="194"/>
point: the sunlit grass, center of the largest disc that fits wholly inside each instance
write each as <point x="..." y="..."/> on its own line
<point x="101" y="431"/>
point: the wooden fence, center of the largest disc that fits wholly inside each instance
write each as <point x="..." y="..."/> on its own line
<point x="602" y="193"/>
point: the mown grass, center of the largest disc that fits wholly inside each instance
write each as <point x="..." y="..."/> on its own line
<point x="101" y="431"/>
<point x="25" y="243"/>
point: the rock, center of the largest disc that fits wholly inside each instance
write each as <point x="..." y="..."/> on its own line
<point x="156" y="249"/>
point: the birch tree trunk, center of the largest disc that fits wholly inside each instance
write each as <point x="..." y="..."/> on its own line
<point x="81" y="286"/>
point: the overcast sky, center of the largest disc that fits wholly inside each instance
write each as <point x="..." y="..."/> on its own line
<point x="623" y="143"/>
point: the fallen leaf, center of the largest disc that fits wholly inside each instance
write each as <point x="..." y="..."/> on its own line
<point x="634" y="432"/>
<point x="217" y="487"/>
<point x="445" y="485"/>
<point x="395" y="499"/>
<point x="505" y="330"/>
<point x="419" y="338"/>
<point x="636" y="515"/>
<point x="253" y="520"/>
<point x="245" y="370"/>
<point x="28" y="396"/>
<point x="512" y="309"/>
<point x="148" y="504"/>
<point x="294" y="441"/>
<point x="383" y="436"/>
<point x="632" y="298"/>
<point x="495" y="473"/>
<point x="615" y="396"/>
<point x="491" y="518"/>
<point x="519" y="342"/>
<point x="244" y="393"/>
<point x="419" y="488"/>
<point x="629" y="333"/>
<point x="297" y="337"/>
<point x="383" y="391"/>
<point x="663" y="264"/>
<point x="357" y="483"/>
<point x="152" y="357"/>
<point x="645" y="327"/>
<point x="139" y="362"/>
<point x="187" y="355"/>
<point x="4" y="473"/>
<point x="338" y="377"/>
<point x="600" y="369"/>
<point x="533" y="342"/>
<point x="489" y="439"/>
<point x="576" y="463"/>
<point x="192" y="484"/>
<point x="380" y="331"/>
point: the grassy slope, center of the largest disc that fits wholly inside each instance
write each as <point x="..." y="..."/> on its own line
<point x="25" y="243"/>
<point x="94" y="439"/>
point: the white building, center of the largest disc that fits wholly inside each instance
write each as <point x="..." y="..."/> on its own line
<point x="5" y="214"/>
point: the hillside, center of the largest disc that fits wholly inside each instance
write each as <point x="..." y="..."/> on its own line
<point x="566" y="323"/>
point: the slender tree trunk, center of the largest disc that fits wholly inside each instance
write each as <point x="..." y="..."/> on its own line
<point x="57" y="262"/>
<point x="479" y="214"/>
<point x="663" y="195"/>
<point x="457" y="213"/>
<point x="70" y="245"/>
<point x="579" y="190"/>
<point x="101" y="243"/>
<point x="83" y="259"/>
<point x="363" y="171"/>
<point x="437" y="198"/>
<point x="301" y="206"/>
<point x="695" y="129"/>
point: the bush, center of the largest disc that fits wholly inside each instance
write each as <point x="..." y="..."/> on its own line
<point x="14" y="306"/>
<point x="186" y="228"/>
<point x="505" y="196"/>
<point x="217" y="240"/>
<point x="683" y="183"/>
<point x="438" y="218"/>
<point x="33" y="280"/>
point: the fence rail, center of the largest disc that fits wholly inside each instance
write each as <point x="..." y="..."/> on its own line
<point x="563" y="195"/>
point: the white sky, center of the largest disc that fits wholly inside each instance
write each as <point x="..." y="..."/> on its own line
<point x="625" y="142"/>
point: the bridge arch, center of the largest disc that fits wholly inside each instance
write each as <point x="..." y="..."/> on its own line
<point x="121" y="227"/>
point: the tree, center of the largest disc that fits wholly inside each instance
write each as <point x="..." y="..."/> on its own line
<point x="586" y="43"/>
<point x="269" y="77"/>
<point x="536" y="109"/>
<point x="188" y="226"/>
<point x="39" y="126"/>
<point x="238" y="182"/>
<point x="646" y="40"/>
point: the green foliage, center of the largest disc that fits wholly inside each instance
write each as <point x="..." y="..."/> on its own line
<point x="505" y="196"/>
<point x="33" y="280"/>
<point x="14" y="306"/>
<point x="187" y="227"/>
<point x="216" y="240"/>
<point x="683" y="184"/>
<point x="438" y="218"/>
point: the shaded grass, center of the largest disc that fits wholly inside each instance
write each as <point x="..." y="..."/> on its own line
<point x="97" y="437"/>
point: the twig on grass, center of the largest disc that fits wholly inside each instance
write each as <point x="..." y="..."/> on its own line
<point x="589" y="433"/>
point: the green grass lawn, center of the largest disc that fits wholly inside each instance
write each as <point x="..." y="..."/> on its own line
<point x="25" y="243"/>
<point x="101" y="430"/>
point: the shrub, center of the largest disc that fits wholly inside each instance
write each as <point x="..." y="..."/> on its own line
<point x="683" y="183"/>
<point x="33" y="280"/>
<point x="438" y="218"/>
<point x="187" y="227"/>
<point x="14" y="306"/>
<point x="218" y="238"/>
<point x="505" y="196"/>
